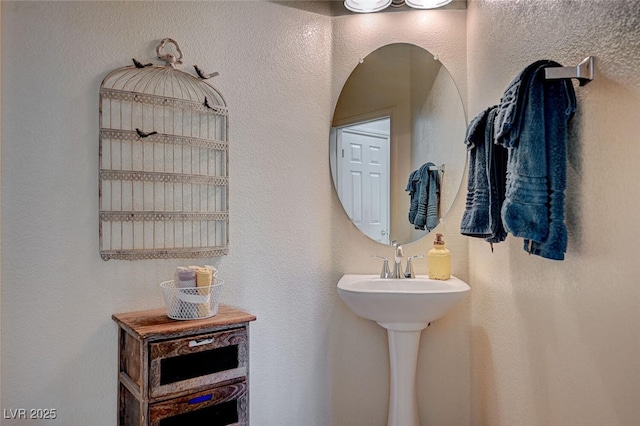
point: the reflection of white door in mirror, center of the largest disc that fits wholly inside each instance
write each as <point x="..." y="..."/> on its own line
<point x="408" y="84"/>
<point x="363" y="175"/>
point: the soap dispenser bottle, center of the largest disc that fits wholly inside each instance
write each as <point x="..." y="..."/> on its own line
<point x="439" y="260"/>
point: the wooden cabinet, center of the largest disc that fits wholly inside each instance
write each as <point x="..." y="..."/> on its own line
<point x="183" y="372"/>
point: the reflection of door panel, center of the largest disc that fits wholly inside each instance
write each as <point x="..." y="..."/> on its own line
<point x="363" y="179"/>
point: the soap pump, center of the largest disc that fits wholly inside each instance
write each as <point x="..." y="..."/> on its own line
<point x="439" y="260"/>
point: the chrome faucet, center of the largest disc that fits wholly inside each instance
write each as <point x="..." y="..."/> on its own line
<point x="398" y="253"/>
<point x="397" y="267"/>
<point x="408" y="273"/>
<point x="385" y="273"/>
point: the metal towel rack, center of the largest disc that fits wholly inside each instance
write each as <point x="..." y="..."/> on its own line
<point x="439" y="168"/>
<point x="584" y="71"/>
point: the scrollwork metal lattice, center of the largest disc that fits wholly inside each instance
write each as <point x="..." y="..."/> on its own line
<point x="164" y="159"/>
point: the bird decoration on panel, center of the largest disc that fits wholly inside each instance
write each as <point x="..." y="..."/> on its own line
<point x="139" y="64"/>
<point x="143" y="134"/>
<point x="207" y="104"/>
<point x="204" y="75"/>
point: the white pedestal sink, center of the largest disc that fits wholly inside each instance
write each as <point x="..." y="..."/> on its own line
<point x="404" y="307"/>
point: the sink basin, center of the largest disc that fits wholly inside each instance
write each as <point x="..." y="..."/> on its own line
<point x="401" y="304"/>
<point x="404" y="307"/>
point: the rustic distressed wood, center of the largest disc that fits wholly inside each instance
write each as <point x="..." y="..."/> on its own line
<point x="155" y="324"/>
<point x="173" y="348"/>
<point x="146" y="338"/>
<point x="130" y="385"/>
<point x="129" y="357"/>
<point x="130" y="412"/>
<point x="176" y="406"/>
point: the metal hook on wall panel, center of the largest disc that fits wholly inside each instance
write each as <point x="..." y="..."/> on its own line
<point x="584" y="71"/>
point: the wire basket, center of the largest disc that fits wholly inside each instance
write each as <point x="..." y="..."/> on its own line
<point x="191" y="302"/>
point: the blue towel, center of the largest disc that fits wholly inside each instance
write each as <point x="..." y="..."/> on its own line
<point x="475" y="219"/>
<point x="412" y="187"/>
<point x="497" y="156"/>
<point x="486" y="181"/>
<point x="532" y="123"/>
<point x="424" y="187"/>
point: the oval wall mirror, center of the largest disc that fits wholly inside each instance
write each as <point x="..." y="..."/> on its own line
<point x="397" y="151"/>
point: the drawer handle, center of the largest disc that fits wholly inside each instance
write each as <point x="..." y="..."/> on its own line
<point x="200" y="342"/>
<point x="199" y="399"/>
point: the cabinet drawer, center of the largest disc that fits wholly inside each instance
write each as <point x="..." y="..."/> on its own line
<point x="224" y="405"/>
<point x="185" y="365"/>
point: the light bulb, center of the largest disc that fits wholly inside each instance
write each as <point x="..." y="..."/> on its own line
<point x="366" y="6"/>
<point x="426" y="4"/>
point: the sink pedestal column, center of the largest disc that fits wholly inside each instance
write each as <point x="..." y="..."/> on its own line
<point x="404" y="343"/>
<point x="404" y="307"/>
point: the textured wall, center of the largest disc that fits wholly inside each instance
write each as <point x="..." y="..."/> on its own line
<point x="0" y="208"/>
<point x="443" y="364"/>
<point x="59" y="342"/>
<point x="557" y="343"/>
<point x="552" y="342"/>
<point x="312" y="361"/>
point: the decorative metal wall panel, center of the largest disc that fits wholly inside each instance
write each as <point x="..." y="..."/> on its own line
<point x="164" y="162"/>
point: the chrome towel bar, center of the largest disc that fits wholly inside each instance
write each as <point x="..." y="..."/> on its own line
<point x="584" y="71"/>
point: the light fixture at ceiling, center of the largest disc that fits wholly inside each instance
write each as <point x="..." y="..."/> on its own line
<point x="427" y="4"/>
<point x="368" y="6"/>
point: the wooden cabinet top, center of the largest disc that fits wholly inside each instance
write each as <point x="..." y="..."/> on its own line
<point x="155" y="323"/>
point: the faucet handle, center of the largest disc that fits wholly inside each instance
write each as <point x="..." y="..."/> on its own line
<point x="385" y="273"/>
<point x="408" y="272"/>
<point x="398" y="251"/>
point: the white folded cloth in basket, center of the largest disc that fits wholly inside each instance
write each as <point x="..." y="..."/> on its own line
<point x="191" y="296"/>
